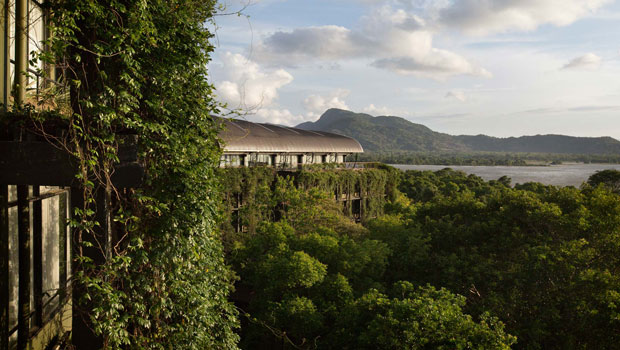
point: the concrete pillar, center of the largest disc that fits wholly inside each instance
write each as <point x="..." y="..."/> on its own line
<point x="4" y="267"/>
<point x="23" y="311"/>
<point x="5" y="46"/>
<point x="50" y="69"/>
<point x="21" y="50"/>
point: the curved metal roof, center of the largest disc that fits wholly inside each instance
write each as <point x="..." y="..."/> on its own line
<point x="244" y="136"/>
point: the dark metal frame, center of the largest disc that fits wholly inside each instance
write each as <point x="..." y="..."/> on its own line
<point x="30" y="321"/>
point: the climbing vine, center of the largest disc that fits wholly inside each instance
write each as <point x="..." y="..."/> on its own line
<point x="251" y="193"/>
<point x="139" y="68"/>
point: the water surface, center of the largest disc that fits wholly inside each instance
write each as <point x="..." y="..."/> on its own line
<point x="559" y="175"/>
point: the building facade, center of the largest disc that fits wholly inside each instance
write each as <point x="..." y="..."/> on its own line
<point x="249" y="144"/>
<point x="35" y="244"/>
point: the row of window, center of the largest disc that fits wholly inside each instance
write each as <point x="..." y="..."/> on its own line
<point x="36" y="34"/>
<point x="278" y="160"/>
<point x="50" y="266"/>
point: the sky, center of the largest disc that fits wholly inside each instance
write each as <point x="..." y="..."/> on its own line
<point x="496" y="67"/>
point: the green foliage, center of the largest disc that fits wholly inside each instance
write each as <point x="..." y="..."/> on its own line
<point x="541" y="258"/>
<point x="418" y="318"/>
<point x="609" y="178"/>
<point x="263" y="194"/>
<point x="314" y="279"/>
<point x="371" y="184"/>
<point x="384" y="133"/>
<point x="140" y="68"/>
<point x="427" y="185"/>
<point x="450" y="158"/>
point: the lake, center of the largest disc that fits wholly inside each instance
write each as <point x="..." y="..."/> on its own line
<point x="559" y="175"/>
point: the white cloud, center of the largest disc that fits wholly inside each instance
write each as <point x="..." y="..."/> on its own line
<point x="276" y="116"/>
<point x="326" y="42"/>
<point x="315" y="105"/>
<point x="574" y="109"/>
<point x="438" y="64"/>
<point x="246" y="85"/>
<point x="379" y="110"/>
<point x="587" y="61"/>
<point x="254" y="90"/>
<point x="410" y="4"/>
<point x="391" y="39"/>
<point x="458" y="95"/>
<point x="482" y="17"/>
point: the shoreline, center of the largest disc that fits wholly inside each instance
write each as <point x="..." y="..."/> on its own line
<point x="558" y="175"/>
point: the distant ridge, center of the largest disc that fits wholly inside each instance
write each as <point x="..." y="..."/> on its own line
<point x="390" y="133"/>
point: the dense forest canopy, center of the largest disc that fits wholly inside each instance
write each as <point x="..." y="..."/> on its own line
<point x="455" y="263"/>
<point x="609" y="178"/>
<point x="315" y="279"/>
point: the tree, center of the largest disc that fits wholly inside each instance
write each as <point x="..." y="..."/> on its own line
<point x="543" y="259"/>
<point x="418" y="318"/>
<point x="609" y="178"/>
<point x="138" y="67"/>
<point x="316" y="280"/>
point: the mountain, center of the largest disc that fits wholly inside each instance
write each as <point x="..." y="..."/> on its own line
<point x="382" y="133"/>
<point x="543" y="144"/>
<point x="389" y="133"/>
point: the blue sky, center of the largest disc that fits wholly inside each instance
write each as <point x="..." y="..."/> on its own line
<point x="496" y="67"/>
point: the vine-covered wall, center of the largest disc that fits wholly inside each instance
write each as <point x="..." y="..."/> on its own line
<point x="249" y="193"/>
<point x="148" y="264"/>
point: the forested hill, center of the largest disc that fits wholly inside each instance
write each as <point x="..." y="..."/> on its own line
<point x="388" y="133"/>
